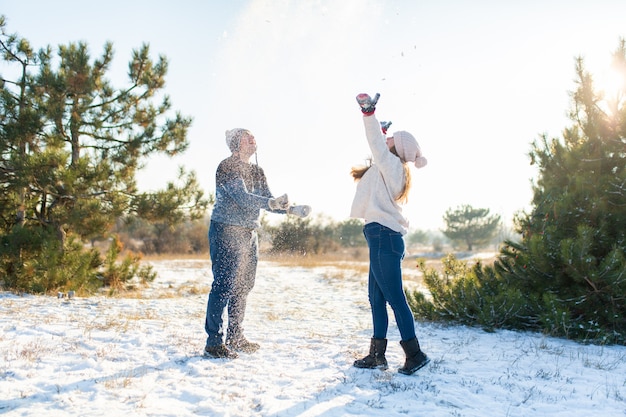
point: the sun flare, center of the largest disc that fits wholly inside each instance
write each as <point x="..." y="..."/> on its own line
<point x="611" y="82"/>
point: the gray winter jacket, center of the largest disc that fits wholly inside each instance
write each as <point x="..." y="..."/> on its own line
<point x="241" y="191"/>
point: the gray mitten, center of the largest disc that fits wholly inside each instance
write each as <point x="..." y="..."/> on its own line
<point x="384" y="126"/>
<point x="368" y="104"/>
<point x="279" y="203"/>
<point x="300" y="211"/>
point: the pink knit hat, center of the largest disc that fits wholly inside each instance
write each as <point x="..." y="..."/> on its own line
<point x="408" y="149"/>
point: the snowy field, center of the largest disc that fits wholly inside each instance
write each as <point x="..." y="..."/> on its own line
<point x="142" y="357"/>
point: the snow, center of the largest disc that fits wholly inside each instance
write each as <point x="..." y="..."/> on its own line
<point x="141" y="356"/>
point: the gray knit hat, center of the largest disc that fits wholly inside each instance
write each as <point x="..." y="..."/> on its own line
<point x="233" y="138"/>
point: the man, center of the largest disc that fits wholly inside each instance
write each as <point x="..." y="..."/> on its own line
<point x="241" y="191"/>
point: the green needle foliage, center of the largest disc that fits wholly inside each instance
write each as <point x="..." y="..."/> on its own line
<point x="70" y="146"/>
<point x="473" y="227"/>
<point x="570" y="267"/>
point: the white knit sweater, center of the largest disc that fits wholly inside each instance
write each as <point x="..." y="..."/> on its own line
<point x="375" y="195"/>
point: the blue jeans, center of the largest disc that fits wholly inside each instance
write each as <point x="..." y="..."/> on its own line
<point x="386" y="249"/>
<point x="234" y="257"/>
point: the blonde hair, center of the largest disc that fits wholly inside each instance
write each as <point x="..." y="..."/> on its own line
<point x="358" y="172"/>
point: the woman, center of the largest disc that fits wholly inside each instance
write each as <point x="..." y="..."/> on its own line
<point x="241" y="191"/>
<point x="382" y="187"/>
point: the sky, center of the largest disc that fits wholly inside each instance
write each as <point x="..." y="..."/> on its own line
<point x="475" y="82"/>
<point x="141" y="356"/>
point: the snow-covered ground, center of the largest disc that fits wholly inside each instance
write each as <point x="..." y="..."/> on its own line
<point x="142" y="357"/>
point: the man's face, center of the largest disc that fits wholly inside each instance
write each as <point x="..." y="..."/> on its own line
<point x="247" y="145"/>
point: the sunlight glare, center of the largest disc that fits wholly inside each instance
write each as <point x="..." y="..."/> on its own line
<point x="611" y="83"/>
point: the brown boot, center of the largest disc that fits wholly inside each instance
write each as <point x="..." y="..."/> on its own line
<point x="376" y="358"/>
<point x="415" y="358"/>
<point x="242" y="345"/>
<point x="219" y="352"/>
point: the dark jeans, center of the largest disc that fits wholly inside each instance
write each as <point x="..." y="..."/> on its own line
<point x="386" y="249"/>
<point x="234" y="257"/>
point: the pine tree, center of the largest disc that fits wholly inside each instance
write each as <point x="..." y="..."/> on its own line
<point x="571" y="259"/>
<point x="71" y="146"/>
<point x="567" y="276"/>
<point x="470" y="226"/>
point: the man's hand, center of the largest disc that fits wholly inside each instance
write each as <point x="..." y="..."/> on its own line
<point x="279" y="203"/>
<point x="300" y="211"/>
